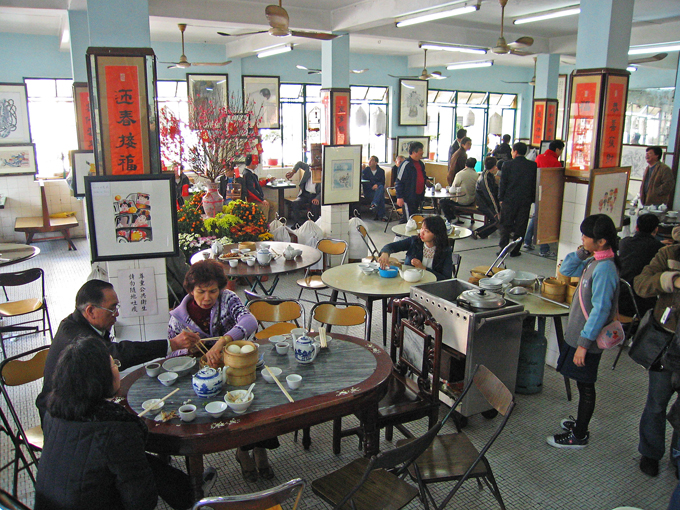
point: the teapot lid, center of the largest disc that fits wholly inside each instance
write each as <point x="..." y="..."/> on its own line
<point x="206" y="372"/>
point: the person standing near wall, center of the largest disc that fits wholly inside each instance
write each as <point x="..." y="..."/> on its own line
<point x="411" y="181"/>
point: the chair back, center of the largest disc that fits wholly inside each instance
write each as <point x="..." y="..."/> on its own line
<point x="456" y="258"/>
<point x="372" y="249"/>
<point x="625" y="285"/>
<point x="263" y="500"/>
<point x="15" y="371"/>
<point x="276" y="310"/>
<point x="20" y="277"/>
<point x="418" y="218"/>
<point x="332" y="247"/>
<point x="348" y="315"/>
<point x="416" y="347"/>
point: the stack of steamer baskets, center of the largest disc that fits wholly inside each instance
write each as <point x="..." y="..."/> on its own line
<point x="241" y="366"/>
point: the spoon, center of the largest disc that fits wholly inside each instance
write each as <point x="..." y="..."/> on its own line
<point x="245" y="399"/>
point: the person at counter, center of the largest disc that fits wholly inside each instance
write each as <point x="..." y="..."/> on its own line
<point x="593" y="307"/>
<point x="96" y="312"/>
<point x="428" y="250"/>
<point x="658" y="181"/>
<point x="460" y="134"/>
<point x="395" y="169"/>
<point x="308" y="196"/>
<point x="374" y="189"/>
<point x="411" y="182"/>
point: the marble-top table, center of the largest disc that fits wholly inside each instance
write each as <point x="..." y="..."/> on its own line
<point x="11" y="253"/>
<point x="281" y="188"/>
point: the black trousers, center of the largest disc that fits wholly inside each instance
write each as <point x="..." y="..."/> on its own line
<point x="302" y="204"/>
<point x="411" y="207"/>
<point x="486" y="230"/>
<point x="514" y="220"/>
<point x="172" y="484"/>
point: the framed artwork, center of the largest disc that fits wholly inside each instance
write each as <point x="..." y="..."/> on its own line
<point x="412" y="102"/>
<point x="263" y="92"/>
<point x="584" y="117"/>
<point x="18" y="159"/>
<point x="81" y="102"/>
<point x="544" y="146"/>
<point x="205" y="91"/>
<point x="543" y="121"/>
<point x="634" y="156"/>
<point x="562" y="86"/>
<point x="82" y="165"/>
<point x="341" y="174"/>
<point x="403" y="143"/>
<point x="14" y="125"/>
<point x="125" y="110"/>
<point x="615" y="95"/>
<point x="335" y="125"/>
<point x="607" y="193"/>
<point x="131" y="217"/>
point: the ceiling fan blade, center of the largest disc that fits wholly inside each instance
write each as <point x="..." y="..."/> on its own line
<point x="358" y="71"/>
<point x="522" y="42"/>
<point x="404" y="77"/>
<point x="521" y="82"/>
<point x="211" y="63"/>
<point x="653" y="58"/>
<point x="520" y="53"/>
<point x="436" y="76"/>
<point x="277" y="16"/>
<point x="246" y="33"/>
<point x="313" y="35"/>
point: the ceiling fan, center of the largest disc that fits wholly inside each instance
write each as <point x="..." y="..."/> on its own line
<point x="502" y="47"/>
<point x="318" y="71"/>
<point x="571" y="59"/>
<point x="424" y="75"/>
<point x="278" y="21"/>
<point x="184" y="62"/>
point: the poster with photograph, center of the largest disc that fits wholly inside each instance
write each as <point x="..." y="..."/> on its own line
<point x="14" y="125"/>
<point x="404" y="142"/>
<point x="341" y="174"/>
<point x="263" y="92"/>
<point x="17" y="159"/>
<point x="412" y="102"/>
<point x="607" y="193"/>
<point x="131" y="217"/>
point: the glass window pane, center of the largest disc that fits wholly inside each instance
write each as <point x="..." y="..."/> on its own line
<point x="271" y="144"/>
<point x="358" y="131"/>
<point x="431" y="95"/>
<point x="463" y="97"/>
<point x="508" y="100"/>
<point x="477" y="98"/>
<point x="444" y="96"/>
<point x="40" y="88"/>
<point x="377" y="128"/>
<point x="376" y="93"/>
<point x="358" y="93"/>
<point x="314" y="113"/>
<point x="290" y="91"/>
<point x="494" y="99"/>
<point x="292" y="133"/>
<point x="65" y="88"/>
<point x="168" y="89"/>
<point x="313" y="91"/>
<point x="446" y="132"/>
<point x="473" y="120"/>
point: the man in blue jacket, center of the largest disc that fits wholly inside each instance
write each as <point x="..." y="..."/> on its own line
<point x="411" y="182"/>
<point x="374" y="187"/>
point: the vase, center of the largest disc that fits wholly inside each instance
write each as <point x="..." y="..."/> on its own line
<point x="212" y="200"/>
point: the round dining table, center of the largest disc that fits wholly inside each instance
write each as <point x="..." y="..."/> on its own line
<point x="12" y="253"/>
<point x="278" y="265"/>
<point x="372" y="287"/>
<point x="349" y="377"/>
<point x="456" y="233"/>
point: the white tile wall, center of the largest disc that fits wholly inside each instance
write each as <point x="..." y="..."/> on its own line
<point x="573" y="213"/>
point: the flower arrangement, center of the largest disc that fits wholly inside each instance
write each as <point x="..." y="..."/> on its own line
<point x="253" y="225"/>
<point x="189" y="220"/>
<point x="171" y="138"/>
<point x="221" y="224"/>
<point x="193" y="243"/>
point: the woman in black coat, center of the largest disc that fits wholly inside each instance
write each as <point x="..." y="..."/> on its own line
<point x="94" y="454"/>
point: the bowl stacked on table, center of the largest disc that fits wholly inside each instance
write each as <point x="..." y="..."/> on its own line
<point x="241" y="366"/>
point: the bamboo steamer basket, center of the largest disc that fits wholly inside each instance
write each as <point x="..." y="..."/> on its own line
<point x="248" y="245"/>
<point x="554" y="289"/>
<point x="240" y="379"/>
<point x="563" y="278"/>
<point x="571" y="290"/>
<point x="479" y="272"/>
<point x="241" y="360"/>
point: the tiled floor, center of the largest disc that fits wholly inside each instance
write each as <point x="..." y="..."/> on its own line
<point x="530" y="474"/>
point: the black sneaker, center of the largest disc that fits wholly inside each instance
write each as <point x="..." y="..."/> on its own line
<point x="567" y="440"/>
<point x="648" y="466"/>
<point x="568" y="423"/>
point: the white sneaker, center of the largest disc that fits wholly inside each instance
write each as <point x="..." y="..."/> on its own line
<point x="209" y="479"/>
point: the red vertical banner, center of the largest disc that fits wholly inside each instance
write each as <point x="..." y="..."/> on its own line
<point x="326" y="117"/>
<point x="582" y="122"/>
<point x="341" y="119"/>
<point x="86" y="119"/>
<point x="551" y="121"/>
<point x="538" y="123"/>
<point x="612" y="129"/>
<point x="125" y="120"/>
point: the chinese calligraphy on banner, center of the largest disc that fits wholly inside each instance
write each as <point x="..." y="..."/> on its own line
<point x="612" y="128"/>
<point x="583" y="121"/>
<point x="125" y="131"/>
<point x="137" y="292"/>
<point x="341" y="118"/>
<point x="551" y="120"/>
<point x="539" y="122"/>
<point x="83" y="116"/>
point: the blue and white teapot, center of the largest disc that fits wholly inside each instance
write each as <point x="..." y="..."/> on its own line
<point x="305" y="349"/>
<point x="207" y="382"/>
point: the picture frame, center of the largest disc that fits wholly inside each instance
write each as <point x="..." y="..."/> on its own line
<point x="15" y="126"/>
<point x="403" y="143"/>
<point x="131" y="217"/>
<point x="544" y="146"/>
<point x="543" y="120"/>
<point x="210" y="88"/>
<point x="81" y="103"/>
<point x="124" y="106"/>
<point x="413" y="102"/>
<point x="341" y="182"/>
<point x="18" y="159"/>
<point x="263" y="92"/>
<point x="584" y="117"/>
<point x="82" y="165"/>
<point x="614" y="115"/>
<point x="634" y="156"/>
<point x="607" y="193"/>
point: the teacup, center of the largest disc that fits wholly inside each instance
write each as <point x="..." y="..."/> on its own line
<point x="233" y="262"/>
<point x="153" y="369"/>
<point x="250" y="261"/>
<point x="187" y="412"/>
<point x="282" y="348"/>
<point x="206" y="255"/>
<point x="293" y="381"/>
<point x="235" y="250"/>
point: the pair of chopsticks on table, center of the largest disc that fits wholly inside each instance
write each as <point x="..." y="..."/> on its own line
<point x="276" y="380"/>
<point x="156" y="404"/>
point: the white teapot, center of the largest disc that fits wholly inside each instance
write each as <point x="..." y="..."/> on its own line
<point x="438" y="187"/>
<point x="207" y="382"/>
<point x="217" y="249"/>
<point x="289" y="252"/>
<point x="264" y="257"/>
<point x="305" y="349"/>
<point x="411" y="275"/>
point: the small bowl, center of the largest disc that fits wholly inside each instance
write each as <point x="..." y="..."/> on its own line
<point x="172" y="364"/>
<point x="277" y="339"/>
<point x="390" y="272"/>
<point x="250" y="261"/>
<point x="187" y="413"/>
<point x="156" y="403"/>
<point x="282" y="348"/>
<point x="235" y="250"/>
<point x="366" y="268"/>
<point x="239" y="407"/>
<point x="293" y="381"/>
<point x="216" y="409"/>
<point x="233" y="262"/>
<point x="275" y="370"/>
<point x="168" y="378"/>
<point x="245" y="250"/>
<point x="153" y="369"/>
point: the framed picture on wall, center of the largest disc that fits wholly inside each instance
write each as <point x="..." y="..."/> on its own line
<point x="206" y="91"/>
<point x="263" y="93"/>
<point x="412" y="102"/>
<point x="607" y="193"/>
<point x="18" y="159"/>
<point x="131" y="217"/>
<point x="634" y="156"/>
<point x="404" y="142"/>
<point x="81" y="103"/>
<point x="82" y="165"/>
<point x="341" y="174"/>
<point x="123" y="101"/>
<point x="14" y="124"/>
<point x="615" y="96"/>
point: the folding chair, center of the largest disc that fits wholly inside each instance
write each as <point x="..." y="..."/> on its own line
<point x="13" y="309"/>
<point x="453" y="457"/>
<point x="391" y="194"/>
<point x="629" y="323"/>
<point x="15" y="372"/>
<point x="373" y="251"/>
<point x="456" y="264"/>
<point x="327" y="247"/>
<point x="284" y="313"/>
<point x="263" y="500"/>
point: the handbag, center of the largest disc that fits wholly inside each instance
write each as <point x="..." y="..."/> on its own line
<point x="611" y="335"/>
<point x="650" y="342"/>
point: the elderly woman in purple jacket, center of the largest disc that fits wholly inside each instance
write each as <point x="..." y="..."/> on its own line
<point x="210" y="310"/>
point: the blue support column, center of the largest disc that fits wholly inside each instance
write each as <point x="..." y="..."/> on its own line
<point x="604" y="28"/>
<point x="547" y="74"/>
<point x="335" y="63"/>
<point x="119" y="23"/>
<point x="80" y="40"/>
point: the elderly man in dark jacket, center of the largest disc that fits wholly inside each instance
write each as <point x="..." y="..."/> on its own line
<point x="486" y="197"/>
<point x="517" y="193"/>
<point x="308" y="196"/>
<point x="411" y="182"/>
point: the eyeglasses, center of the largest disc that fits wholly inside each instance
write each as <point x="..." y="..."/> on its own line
<point x="115" y="311"/>
<point x="117" y="362"/>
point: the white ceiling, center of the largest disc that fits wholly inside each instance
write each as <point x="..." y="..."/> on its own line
<point x="370" y="24"/>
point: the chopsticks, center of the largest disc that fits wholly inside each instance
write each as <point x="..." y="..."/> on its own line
<point x="201" y="346"/>
<point x="322" y="337"/>
<point x="290" y="399"/>
<point x="156" y="405"/>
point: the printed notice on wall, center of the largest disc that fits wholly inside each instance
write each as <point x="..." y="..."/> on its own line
<point x="137" y="292"/>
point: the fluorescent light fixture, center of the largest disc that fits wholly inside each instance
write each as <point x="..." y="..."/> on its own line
<point x="631" y="69"/>
<point x="275" y="51"/>
<point x="469" y="65"/>
<point x="452" y="47"/>
<point x="431" y="16"/>
<point x="654" y="48"/>
<point x="541" y="16"/>
<point x="65" y="36"/>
